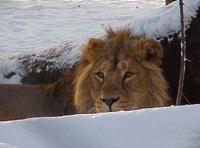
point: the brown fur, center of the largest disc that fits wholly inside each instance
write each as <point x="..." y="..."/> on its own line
<point x="21" y="101"/>
<point x="25" y="101"/>
<point x="137" y="54"/>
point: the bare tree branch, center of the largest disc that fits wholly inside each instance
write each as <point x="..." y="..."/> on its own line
<point x="187" y="100"/>
<point x="183" y="56"/>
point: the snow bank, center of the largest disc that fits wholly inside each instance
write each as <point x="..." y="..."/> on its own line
<point x="36" y="24"/>
<point x="41" y="24"/>
<point x="169" y="127"/>
<point x="165" y="20"/>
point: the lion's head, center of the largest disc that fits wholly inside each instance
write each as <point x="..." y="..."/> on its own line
<point x="120" y="72"/>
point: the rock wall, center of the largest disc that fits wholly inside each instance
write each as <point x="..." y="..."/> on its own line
<point x="168" y="1"/>
<point x="171" y="62"/>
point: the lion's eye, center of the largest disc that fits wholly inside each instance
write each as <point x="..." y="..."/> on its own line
<point x="100" y="75"/>
<point x="128" y="75"/>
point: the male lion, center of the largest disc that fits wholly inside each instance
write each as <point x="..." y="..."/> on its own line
<point x="120" y="72"/>
<point x="117" y="72"/>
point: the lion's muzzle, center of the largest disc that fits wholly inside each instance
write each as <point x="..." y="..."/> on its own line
<point x="109" y="101"/>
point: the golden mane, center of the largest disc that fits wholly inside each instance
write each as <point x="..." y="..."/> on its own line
<point x="147" y="52"/>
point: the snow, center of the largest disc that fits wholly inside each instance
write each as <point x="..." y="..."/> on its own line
<point x="168" y="127"/>
<point x="4" y="145"/>
<point x="41" y="24"/>
<point x="34" y="24"/>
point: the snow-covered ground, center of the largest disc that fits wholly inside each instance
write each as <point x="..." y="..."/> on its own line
<point x="35" y="24"/>
<point x="31" y="26"/>
<point x="170" y="127"/>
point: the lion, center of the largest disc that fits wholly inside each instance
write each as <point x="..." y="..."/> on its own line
<point x="120" y="72"/>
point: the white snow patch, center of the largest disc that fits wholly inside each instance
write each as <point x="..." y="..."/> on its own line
<point x="169" y="127"/>
<point x="9" y="64"/>
<point x="4" y="145"/>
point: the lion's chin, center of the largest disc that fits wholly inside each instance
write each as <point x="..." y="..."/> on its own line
<point x="103" y="109"/>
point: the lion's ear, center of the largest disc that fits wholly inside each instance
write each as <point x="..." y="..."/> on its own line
<point x="92" y="49"/>
<point x="149" y="50"/>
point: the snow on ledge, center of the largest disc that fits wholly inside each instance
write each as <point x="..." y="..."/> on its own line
<point x="164" y="21"/>
<point x="168" y="127"/>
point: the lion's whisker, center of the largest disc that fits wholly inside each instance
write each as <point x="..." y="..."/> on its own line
<point x="92" y="110"/>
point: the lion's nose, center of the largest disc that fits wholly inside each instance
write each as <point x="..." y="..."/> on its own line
<point x="109" y="100"/>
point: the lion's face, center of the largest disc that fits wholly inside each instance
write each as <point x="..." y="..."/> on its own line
<point x="119" y="83"/>
<point x="120" y="73"/>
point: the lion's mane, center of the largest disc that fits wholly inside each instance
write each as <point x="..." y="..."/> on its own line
<point x="150" y="59"/>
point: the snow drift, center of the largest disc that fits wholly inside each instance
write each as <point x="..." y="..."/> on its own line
<point x="168" y="127"/>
